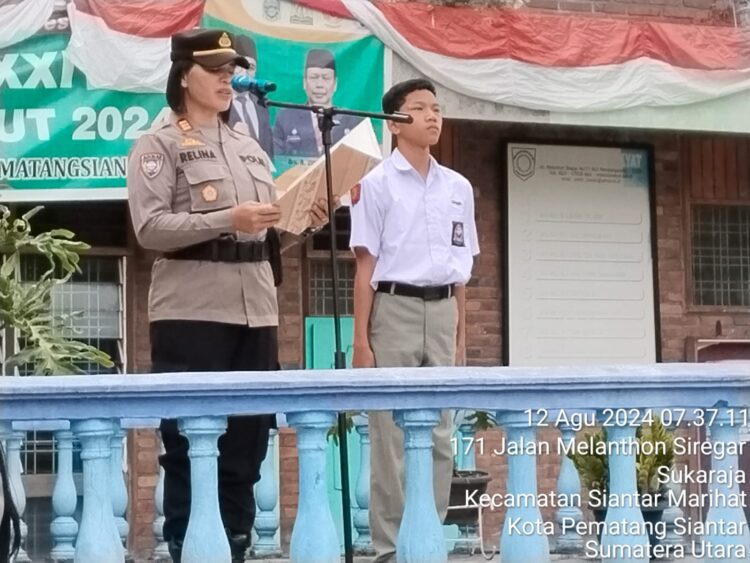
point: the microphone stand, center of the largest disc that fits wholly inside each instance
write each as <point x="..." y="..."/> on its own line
<point x="325" y="124"/>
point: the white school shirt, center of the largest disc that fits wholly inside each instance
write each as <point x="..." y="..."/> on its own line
<point x="420" y="232"/>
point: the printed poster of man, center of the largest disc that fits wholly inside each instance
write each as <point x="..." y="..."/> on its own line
<point x="314" y="59"/>
<point x="246" y="108"/>
<point x="68" y="120"/>
<point x="296" y="132"/>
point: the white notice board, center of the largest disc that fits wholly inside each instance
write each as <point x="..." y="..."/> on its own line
<point x="580" y="277"/>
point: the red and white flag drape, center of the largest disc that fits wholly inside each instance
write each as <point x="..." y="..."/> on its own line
<point x="124" y="45"/>
<point x="548" y="61"/>
<point x="20" y="19"/>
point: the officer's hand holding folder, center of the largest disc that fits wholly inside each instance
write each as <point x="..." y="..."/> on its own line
<point x="351" y="158"/>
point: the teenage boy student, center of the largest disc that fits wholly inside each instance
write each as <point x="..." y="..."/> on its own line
<point x="414" y="239"/>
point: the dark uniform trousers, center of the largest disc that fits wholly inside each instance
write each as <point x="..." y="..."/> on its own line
<point x="183" y="346"/>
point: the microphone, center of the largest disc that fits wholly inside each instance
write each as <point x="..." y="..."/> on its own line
<point x="399" y="117"/>
<point x="243" y="83"/>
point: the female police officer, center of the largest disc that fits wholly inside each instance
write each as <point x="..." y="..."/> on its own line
<point x="202" y="194"/>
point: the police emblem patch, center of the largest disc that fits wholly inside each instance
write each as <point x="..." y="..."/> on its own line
<point x="458" y="234"/>
<point x="224" y="41"/>
<point x="151" y="164"/>
<point x="356" y="192"/>
<point x="209" y="193"/>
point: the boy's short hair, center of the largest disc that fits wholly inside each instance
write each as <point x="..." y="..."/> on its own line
<point x="396" y="96"/>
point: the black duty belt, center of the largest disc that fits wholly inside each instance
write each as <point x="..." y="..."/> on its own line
<point x="223" y="250"/>
<point x="428" y="293"/>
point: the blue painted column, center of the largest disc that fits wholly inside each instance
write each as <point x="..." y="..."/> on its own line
<point x="468" y="535"/>
<point x="98" y="540"/>
<point x="205" y="539"/>
<point x="420" y="537"/>
<point x="314" y="538"/>
<point x="534" y="545"/>
<point x="568" y="486"/>
<point x="13" y="440"/>
<point x="725" y="430"/>
<point x="64" y="528"/>
<point x="672" y="513"/>
<point x="466" y="452"/>
<point x="266" y="499"/>
<point x="161" y="550"/>
<point x="119" y="491"/>
<point x="622" y="484"/>
<point x="363" y="543"/>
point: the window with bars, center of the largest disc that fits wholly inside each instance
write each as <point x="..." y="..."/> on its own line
<point x="721" y="255"/>
<point x="91" y="303"/>
<point x="320" y="277"/>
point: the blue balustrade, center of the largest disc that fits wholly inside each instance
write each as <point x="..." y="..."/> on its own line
<point x="64" y="528"/>
<point x="161" y="549"/>
<point x="201" y="402"/>
<point x="617" y="544"/>
<point x="314" y="538"/>
<point x="673" y="514"/>
<point x="266" y="499"/>
<point x="205" y="539"/>
<point x="727" y="538"/>
<point x="98" y="539"/>
<point x="465" y="453"/>
<point x="119" y="492"/>
<point x="569" y="487"/>
<point x="420" y="536"/>
<point x="363" y="543"/>
<point x="524" y="537"/>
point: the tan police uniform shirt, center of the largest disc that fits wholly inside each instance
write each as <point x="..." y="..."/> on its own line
<point x="183" y="181"/>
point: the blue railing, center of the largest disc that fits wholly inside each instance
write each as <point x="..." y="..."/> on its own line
<point x="98" y="409"/>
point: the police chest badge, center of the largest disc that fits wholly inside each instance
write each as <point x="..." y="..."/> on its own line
<point x="458" y="234"/>
<point x="191" y="142"/>
<point x="151" y="164"/>
<point x="209" y="193"/>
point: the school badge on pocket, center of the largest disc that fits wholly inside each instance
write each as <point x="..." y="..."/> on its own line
<point x="458" y="233"/>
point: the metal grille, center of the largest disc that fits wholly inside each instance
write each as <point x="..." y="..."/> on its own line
<point x="322" y="240"/>
<point x="92" y="302"/>
<point x="320" y="288"/>
<point x="721" y="255"/>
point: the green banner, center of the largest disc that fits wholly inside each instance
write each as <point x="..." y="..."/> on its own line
<point x="56" y="133"/>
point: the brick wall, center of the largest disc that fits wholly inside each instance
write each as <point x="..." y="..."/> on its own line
<point x="711" y="12"/>
<point x="707" y="12"/>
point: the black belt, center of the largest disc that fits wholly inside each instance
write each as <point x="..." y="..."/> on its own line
<point x="223" y="250"/>
<point x="428" y="293"/>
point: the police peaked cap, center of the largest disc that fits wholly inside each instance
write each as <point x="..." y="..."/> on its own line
<point x="208" y="47"/>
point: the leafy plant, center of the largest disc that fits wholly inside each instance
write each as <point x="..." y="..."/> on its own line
<point x="593" y="466"/>
<point x="647" y="465"/>
<point x="333" y="431"/>
<point x="26" y="307"/>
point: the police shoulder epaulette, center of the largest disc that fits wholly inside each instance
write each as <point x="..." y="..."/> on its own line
<point x="184" y="125"/>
